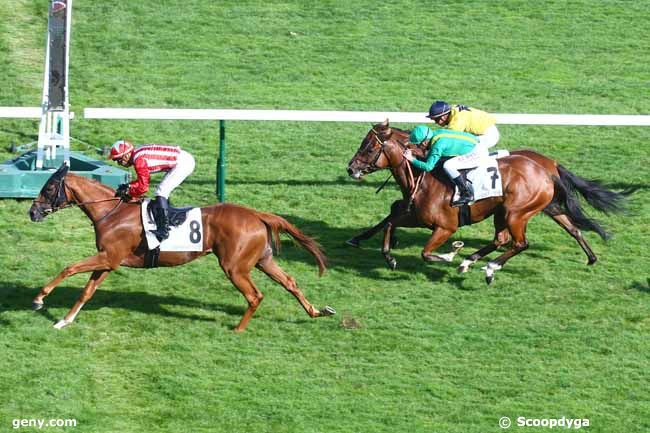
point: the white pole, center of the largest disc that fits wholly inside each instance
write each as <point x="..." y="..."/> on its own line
<point x="54" y="129"/>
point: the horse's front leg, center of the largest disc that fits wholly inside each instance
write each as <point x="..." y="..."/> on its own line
<point x="438" y="237"/>
<point x="397" y="208"/>
<point x="95" y="263"/>
<point x="389" y="228"/>
<point x="355" y="241"/>
<point x="95" y="280"/>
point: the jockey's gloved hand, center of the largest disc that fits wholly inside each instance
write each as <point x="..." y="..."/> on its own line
<point x="123" y="191"/>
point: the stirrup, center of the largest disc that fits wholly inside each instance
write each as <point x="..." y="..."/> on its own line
<point x="462" y="201"/>
<point x="161" y="233"/>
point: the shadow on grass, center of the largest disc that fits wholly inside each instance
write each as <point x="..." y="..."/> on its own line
<point x="641" y="286"/>
<point x="338" y="181"/>
<point x="18" y="297"/>
<point x="368" y="261"/>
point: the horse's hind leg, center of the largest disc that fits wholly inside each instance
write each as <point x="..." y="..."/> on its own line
<point x="95" y="280"/>
<point x="501" y="237"/>
<point x="242" y="280"/>
<point x="517" y="225"/>
<point x="564" y="222"/>
<point x="270" y="268"/>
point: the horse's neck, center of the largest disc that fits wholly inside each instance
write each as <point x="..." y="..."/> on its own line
<point x="432" y="186"/>
<point x="402" y="178"/>
<point x="429" y="185"/>
<point x="89" y="195"/>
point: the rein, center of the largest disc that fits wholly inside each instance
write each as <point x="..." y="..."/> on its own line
<point x="413" y="184"/>
<point x="61" y="201"/>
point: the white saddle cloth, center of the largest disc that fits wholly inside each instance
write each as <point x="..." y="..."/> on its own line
<point x="186" y="237"/>
<point x="486" y="178"/>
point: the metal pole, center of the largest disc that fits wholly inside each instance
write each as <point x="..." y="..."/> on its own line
<point x="221" y="163"/>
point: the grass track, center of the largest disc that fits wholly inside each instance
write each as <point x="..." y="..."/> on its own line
<point x="435" y="351"/>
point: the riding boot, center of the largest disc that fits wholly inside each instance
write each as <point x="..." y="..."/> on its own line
<point x="161" y="215"/>
<point x="466" y="191"/>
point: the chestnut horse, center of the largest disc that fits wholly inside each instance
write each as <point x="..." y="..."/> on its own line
<point x="531" y="184"/>
<point x="566" y="212"/>
<point x="240" y="237"/>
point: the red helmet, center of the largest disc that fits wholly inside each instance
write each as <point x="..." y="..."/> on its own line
<point x="119" y="148"/>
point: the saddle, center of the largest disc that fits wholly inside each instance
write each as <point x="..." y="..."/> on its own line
<point x="177" y="215"/>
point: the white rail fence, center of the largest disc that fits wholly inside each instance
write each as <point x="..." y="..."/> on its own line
<point x="318" y="116"/>
<point x="330" y="116"/>
<point x="354" y="116"/>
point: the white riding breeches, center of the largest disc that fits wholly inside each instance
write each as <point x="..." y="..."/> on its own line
<point x="490" y="138"/>
<point x="469" y="160"/>
<point x="184" y="167"/>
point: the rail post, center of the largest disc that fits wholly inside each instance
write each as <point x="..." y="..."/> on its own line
<point x="221" y="163"/>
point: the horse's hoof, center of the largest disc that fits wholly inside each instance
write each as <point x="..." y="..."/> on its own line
<point x="464" y="267"/>
<point x="327" y="311"/>
<point x="433" y="258"/>
<point x="61" y="324"/>
<point x="353" y="242"/>
<point x="490" y="269"/>
<point x="392" y="264"/>
<point x="37" y="306"/>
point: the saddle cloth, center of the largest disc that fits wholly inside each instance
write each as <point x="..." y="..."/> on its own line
<point x="188" y="236"/>
<point x="486" y="178"/>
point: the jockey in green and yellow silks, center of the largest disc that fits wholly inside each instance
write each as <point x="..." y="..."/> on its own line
<point x="466" y="119"/>
<point x="462" y="147"/>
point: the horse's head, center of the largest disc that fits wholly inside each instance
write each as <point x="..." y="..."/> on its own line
<point x="376" y="151"/>
<point x="52" y="196"/>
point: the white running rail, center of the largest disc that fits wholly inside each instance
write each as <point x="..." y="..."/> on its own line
<point x="353" y="116"/>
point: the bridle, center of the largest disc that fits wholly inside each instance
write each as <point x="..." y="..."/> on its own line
<point x="382" y="150"/>
<point x="61" y="201"/>
<point x="413" y="183"/>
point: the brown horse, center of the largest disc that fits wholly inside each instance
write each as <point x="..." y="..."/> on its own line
<point x="383" y="147"/>
<point x="565" y="209"/>
<point x="240" y="237"/>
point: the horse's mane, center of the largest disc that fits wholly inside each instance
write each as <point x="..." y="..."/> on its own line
<point x="416" y="150"/>
<point x="437" y="172"/>
<point x="96" y="184"/>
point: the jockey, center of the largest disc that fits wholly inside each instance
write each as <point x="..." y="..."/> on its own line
<point x="463" y="147"/>
<point x="466" y="119"/>
<point x="152" y="158"/>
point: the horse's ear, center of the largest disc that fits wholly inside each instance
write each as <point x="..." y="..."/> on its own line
<point x="63" y="170"/>
<point x="387" y="129"/>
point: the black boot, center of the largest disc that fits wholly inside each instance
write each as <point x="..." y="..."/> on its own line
<point x="466" y="191"/>
<point x="161" y="215"/>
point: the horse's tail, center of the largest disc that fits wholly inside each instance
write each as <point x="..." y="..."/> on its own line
<point x="277" y="224"/>
<point x="594" y="192"/>
<point x="568" y="201"/>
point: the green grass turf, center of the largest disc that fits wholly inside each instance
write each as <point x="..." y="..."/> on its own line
<point x="434" y="351"/>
